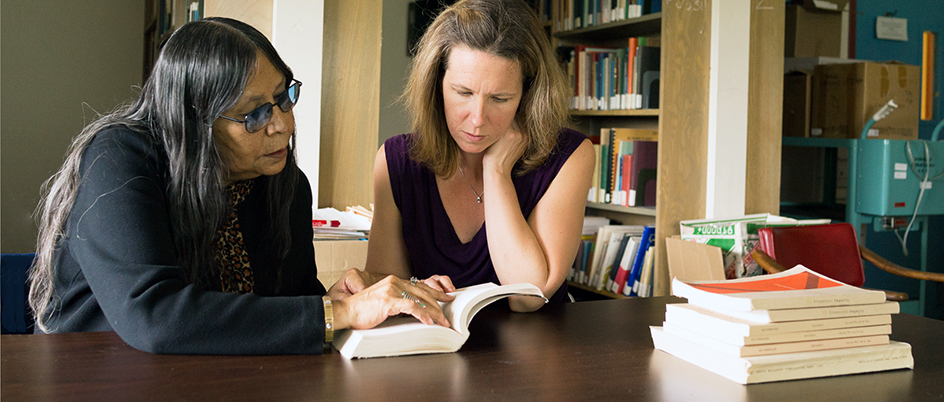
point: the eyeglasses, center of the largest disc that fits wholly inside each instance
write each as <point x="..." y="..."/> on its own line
<point x="258" y="118"/>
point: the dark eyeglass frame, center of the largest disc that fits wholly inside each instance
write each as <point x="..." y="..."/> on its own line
<point x="259" y="117"/>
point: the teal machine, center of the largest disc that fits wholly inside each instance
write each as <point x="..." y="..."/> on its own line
<point x="893" y="184"/>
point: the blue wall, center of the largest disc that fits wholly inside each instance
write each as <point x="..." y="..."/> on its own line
<point x="922" y="15"/>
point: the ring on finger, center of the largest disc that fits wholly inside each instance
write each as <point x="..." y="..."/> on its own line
<point x="408" y="296"/>
<point x="413" y="280"/>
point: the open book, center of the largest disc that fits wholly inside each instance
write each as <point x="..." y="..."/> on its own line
<point x="405" y="335"/>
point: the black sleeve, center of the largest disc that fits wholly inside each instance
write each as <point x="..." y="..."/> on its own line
<point x="119" y="234"/>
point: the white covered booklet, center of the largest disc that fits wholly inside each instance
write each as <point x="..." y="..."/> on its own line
<point x="405" y="335"/>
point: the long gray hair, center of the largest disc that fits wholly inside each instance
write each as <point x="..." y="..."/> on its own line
<point x="201" y="72"/>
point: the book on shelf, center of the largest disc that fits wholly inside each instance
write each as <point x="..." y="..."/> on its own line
<point x="584" y="251"/>
<point x="611" y="250"/>
<point x="695" y="336"/>
<point x="726" y="327"/>
<point x="788" y="366"/>
<point x="590" y="75"/>
<point x="613" y="165"/>
<point x="596" y="192"/>
<point x="628" y="94"/>
<point x="591" y="225"/>
<point x="611" y="271"/>
<point x="648" y="236"/>
<point x="620" y="143"/>
<point x="577" y="14"/>
<point x="645" y="281"/>
<point x="604" y="254"/>
<point x="642" y="179"/>
<point x="795" y="288"/>
<point x="613" y="78"/>
<point x="403" y="335"/>
<point x="625" y="265"/>
<point x="625" y="168"/>
<point x="646" y="79"/>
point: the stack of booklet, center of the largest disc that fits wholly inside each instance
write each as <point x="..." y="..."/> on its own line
<point x="791" y="325"/>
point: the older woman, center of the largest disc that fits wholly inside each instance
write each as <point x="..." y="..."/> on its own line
<point x="175" y="219"/>
<point x="489" y="187"/>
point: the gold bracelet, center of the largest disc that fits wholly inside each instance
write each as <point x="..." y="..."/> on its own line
<point x="329" y="319"/>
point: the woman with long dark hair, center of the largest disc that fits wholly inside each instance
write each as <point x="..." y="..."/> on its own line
<point x="177" y="219"/>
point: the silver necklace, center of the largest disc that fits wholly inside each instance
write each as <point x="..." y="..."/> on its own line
<point x="478" y="197"/>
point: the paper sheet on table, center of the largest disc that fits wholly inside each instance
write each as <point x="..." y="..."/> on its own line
<point x="349" y="220"/>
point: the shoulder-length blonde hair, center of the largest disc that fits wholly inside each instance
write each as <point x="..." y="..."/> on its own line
<point x="504" y="28"/>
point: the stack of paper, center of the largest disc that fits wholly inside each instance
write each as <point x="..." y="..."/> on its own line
<point x="791" y="325"/>
<point x="329" y="223"/>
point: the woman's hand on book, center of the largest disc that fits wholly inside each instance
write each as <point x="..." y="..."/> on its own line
<point x="390" y="296"/>
<point x="441" y="283"/>
<point x="353" y="281"/>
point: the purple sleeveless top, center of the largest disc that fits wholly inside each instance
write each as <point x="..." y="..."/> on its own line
<point x="431" y="241"/>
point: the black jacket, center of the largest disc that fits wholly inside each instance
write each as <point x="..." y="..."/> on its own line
<point x="116" y="268"/>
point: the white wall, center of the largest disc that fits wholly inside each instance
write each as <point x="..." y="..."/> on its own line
<point x="298" y="35"/>
<point x="60" y="62"/>
<point x="727" y="104"/>
<point x="394" y="67"/>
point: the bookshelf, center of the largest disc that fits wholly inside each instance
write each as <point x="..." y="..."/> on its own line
<point x="616" y="113"/>
<point x="682" y="118"/>
<point x="647" y="24"/>
<point x="161" y="18"/>
<point x="612" y="34"/>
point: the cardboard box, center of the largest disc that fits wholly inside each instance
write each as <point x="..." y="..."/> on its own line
<point x="791" y="64"/>
<point x="798" y="93"/>
<point x="334" y="257"/>
<point x="797" y="97"/>
<point x="823" y="5"/>
<point x="812" y="33"/>
<point x="692" y="261"/>
<point x="847" y="95"/>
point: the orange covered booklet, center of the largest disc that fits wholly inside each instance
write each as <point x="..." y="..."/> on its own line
<point x="798" y="287"/>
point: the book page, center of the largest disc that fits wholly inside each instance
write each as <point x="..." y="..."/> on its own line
<point x="405" y="335"/>
<point x="473" y="298"/>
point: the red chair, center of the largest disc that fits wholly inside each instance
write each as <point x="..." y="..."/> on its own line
<point x="831" y="250"/>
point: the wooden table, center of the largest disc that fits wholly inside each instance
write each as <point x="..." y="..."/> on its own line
<point x="582" y="351"/>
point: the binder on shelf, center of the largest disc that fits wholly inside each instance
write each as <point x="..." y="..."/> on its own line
<point x="650" y="90"/>
<point x="648" y="61"/>
<point x="642" y="181"/>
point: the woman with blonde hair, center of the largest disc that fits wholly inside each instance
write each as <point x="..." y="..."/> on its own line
<point x="489" y="186"/>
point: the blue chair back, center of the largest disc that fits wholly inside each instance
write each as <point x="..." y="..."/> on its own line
<point x="16" y="316"/>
